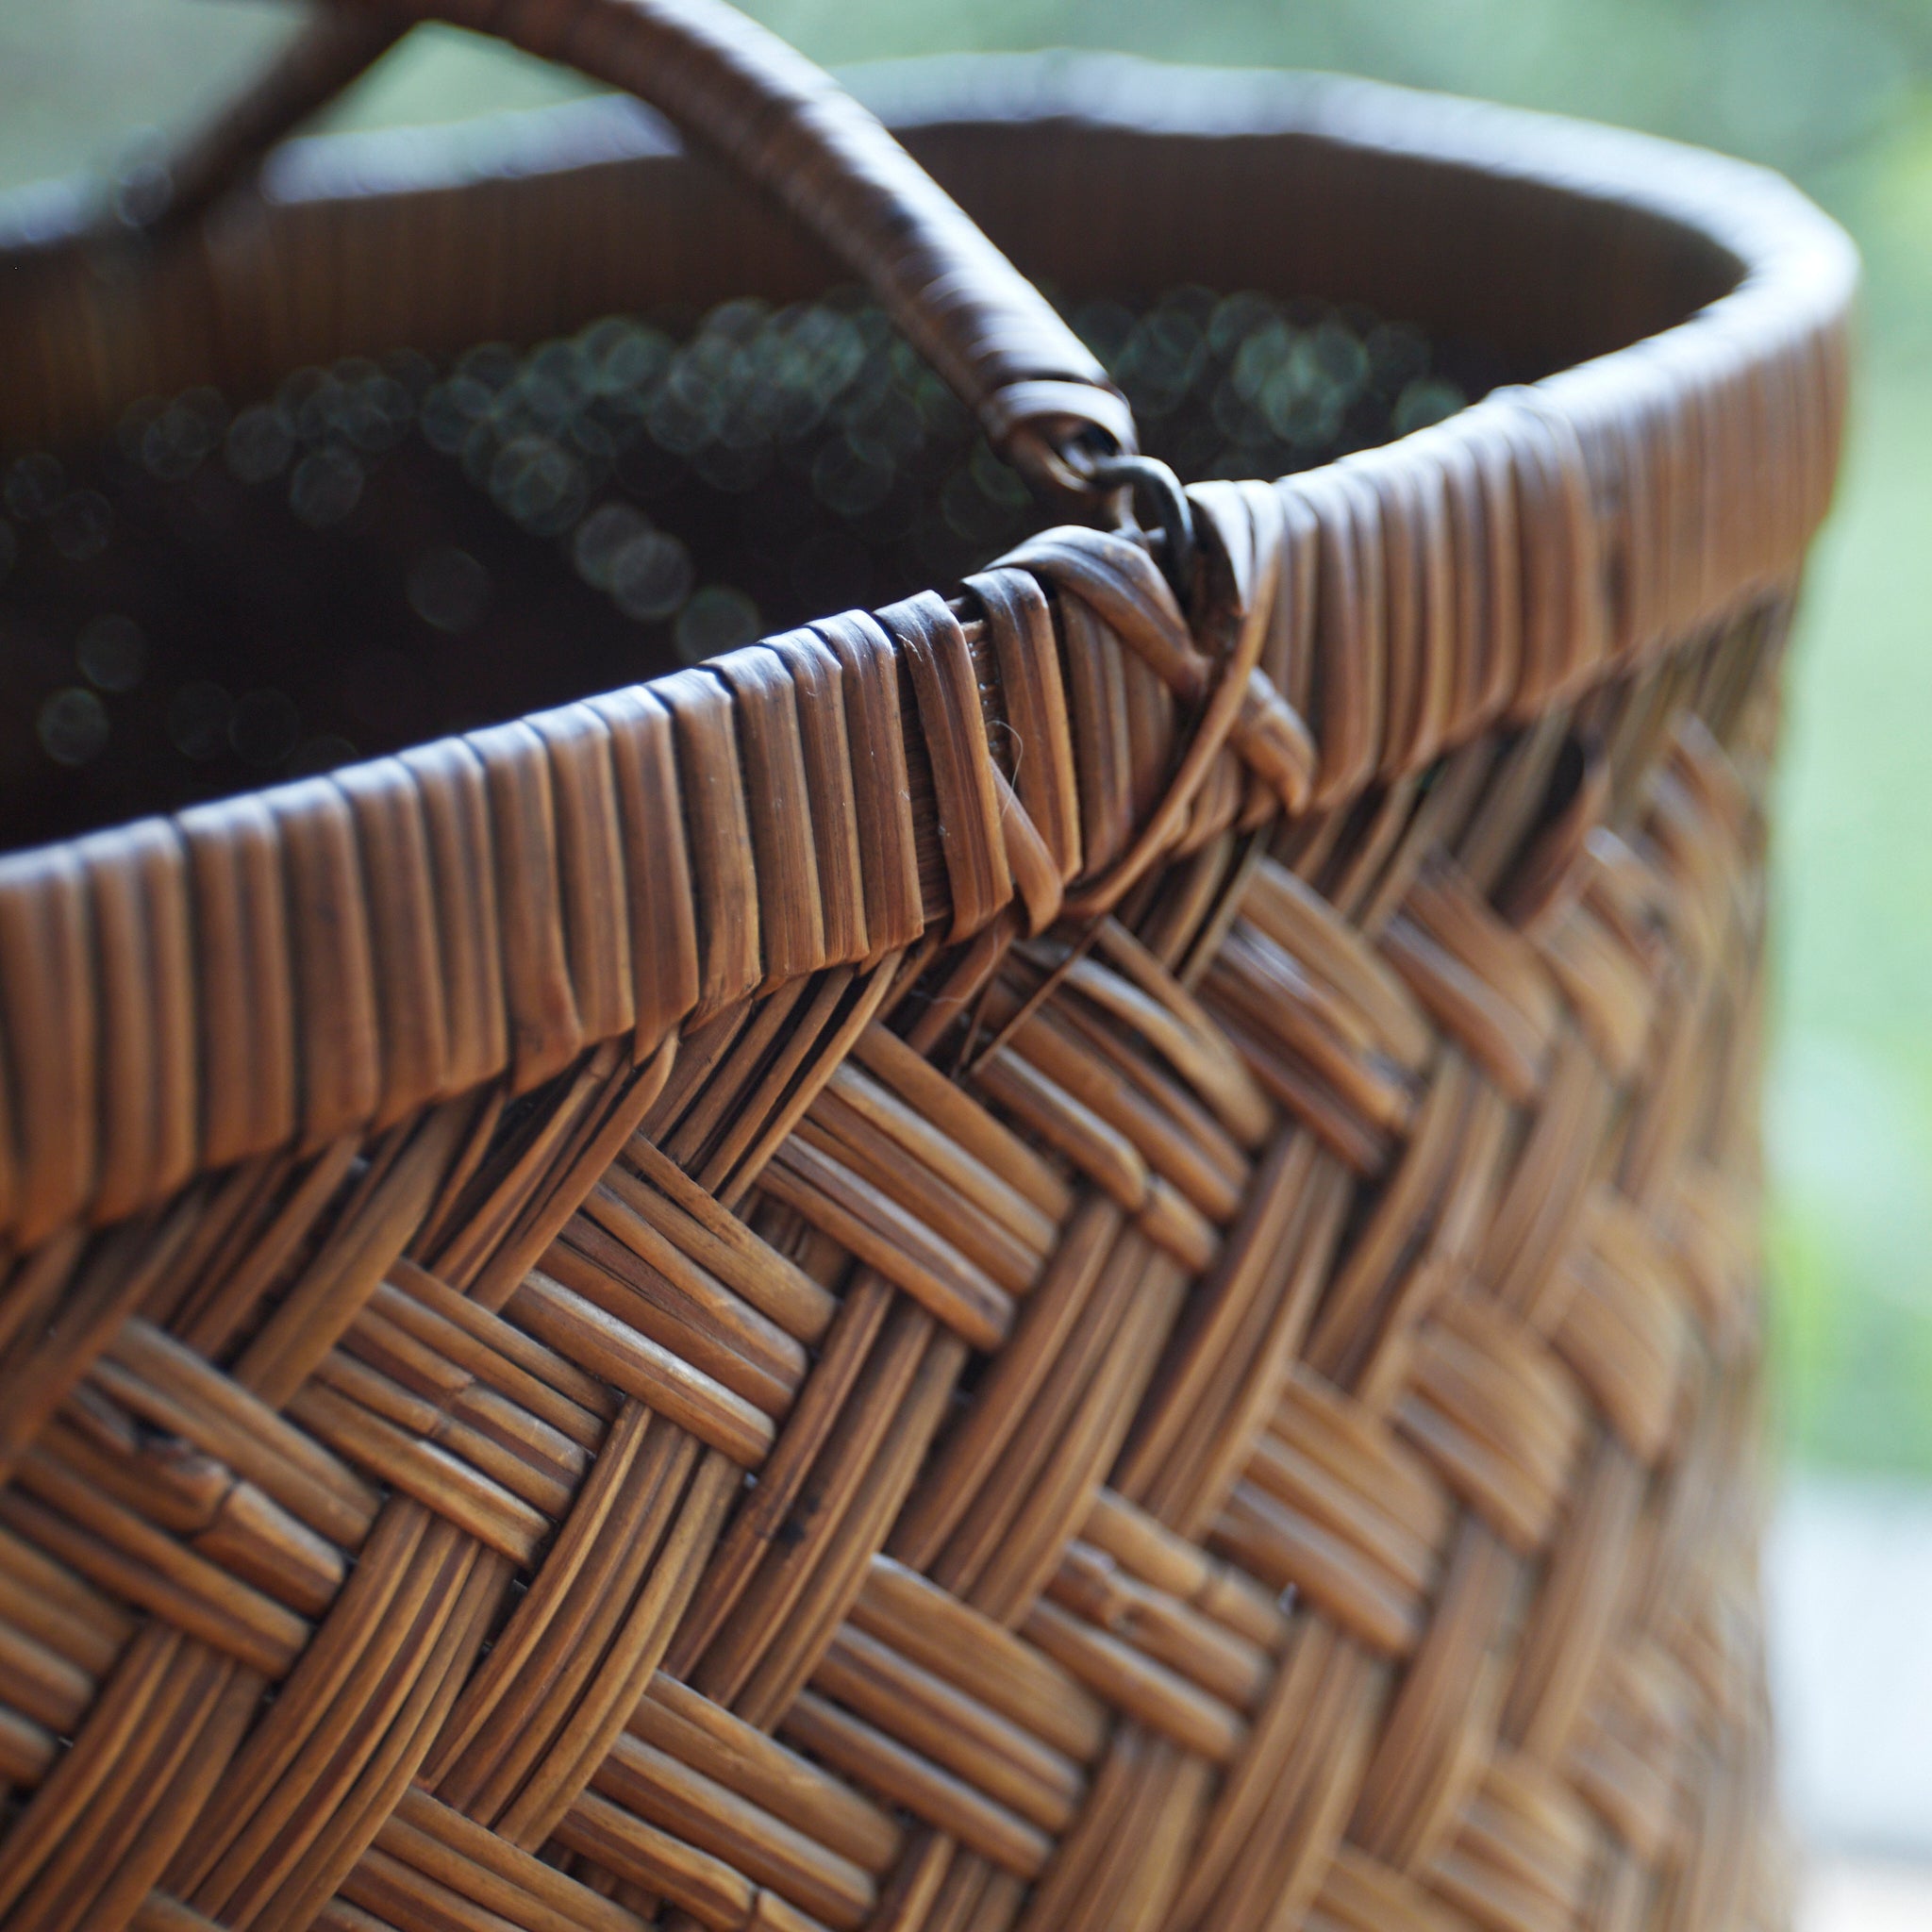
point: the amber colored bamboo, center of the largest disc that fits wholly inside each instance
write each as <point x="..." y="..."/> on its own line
<point x="740" y="1307"/>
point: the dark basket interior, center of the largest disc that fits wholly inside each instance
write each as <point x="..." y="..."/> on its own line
<point x="232" y="591"/>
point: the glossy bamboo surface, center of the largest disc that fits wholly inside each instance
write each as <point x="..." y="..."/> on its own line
<point x="1082" y="1260"/>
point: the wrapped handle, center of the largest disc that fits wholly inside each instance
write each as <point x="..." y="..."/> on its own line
<point x="786" y="127"/>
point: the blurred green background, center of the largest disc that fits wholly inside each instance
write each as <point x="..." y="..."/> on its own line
<point x="1836" y="94"/>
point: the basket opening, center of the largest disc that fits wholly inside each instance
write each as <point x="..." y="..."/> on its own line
<point x="383" y="552"/>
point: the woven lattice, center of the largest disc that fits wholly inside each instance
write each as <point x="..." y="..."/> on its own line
<point x="1320" y="1228"/>
<point x="1048" y="1262"/>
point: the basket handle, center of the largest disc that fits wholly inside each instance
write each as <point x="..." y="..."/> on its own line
<point x="784" y="125"/>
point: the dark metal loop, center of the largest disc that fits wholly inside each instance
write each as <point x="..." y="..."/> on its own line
<point x="1151" y="486"/>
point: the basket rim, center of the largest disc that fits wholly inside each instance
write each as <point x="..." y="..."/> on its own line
<point x="1769" y="224"/>
<point x="1788" y="252"/>
<point x="1620" y="506"/>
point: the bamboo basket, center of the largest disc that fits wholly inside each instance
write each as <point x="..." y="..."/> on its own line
<point x="729" y="1305"/>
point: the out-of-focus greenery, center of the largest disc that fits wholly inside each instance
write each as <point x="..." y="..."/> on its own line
<point x="1836" y="93"/>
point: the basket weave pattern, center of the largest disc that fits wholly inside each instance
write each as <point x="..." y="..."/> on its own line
<point x="1323" y="1228"/>
<point x="1052" y="1264"/>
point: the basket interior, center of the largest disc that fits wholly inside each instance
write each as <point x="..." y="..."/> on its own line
<point x="230" y="591"/>
<point x="447" y="452"/>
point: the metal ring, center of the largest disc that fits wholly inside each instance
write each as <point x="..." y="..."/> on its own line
<point x="1151" y="481"/>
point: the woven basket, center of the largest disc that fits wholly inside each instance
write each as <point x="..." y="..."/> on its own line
<point x="731" y="1306"/>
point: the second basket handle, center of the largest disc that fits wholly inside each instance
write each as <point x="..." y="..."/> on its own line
<point x="785" y="126"/>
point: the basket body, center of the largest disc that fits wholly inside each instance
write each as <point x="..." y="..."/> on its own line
<point x="728" y="1306"/>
